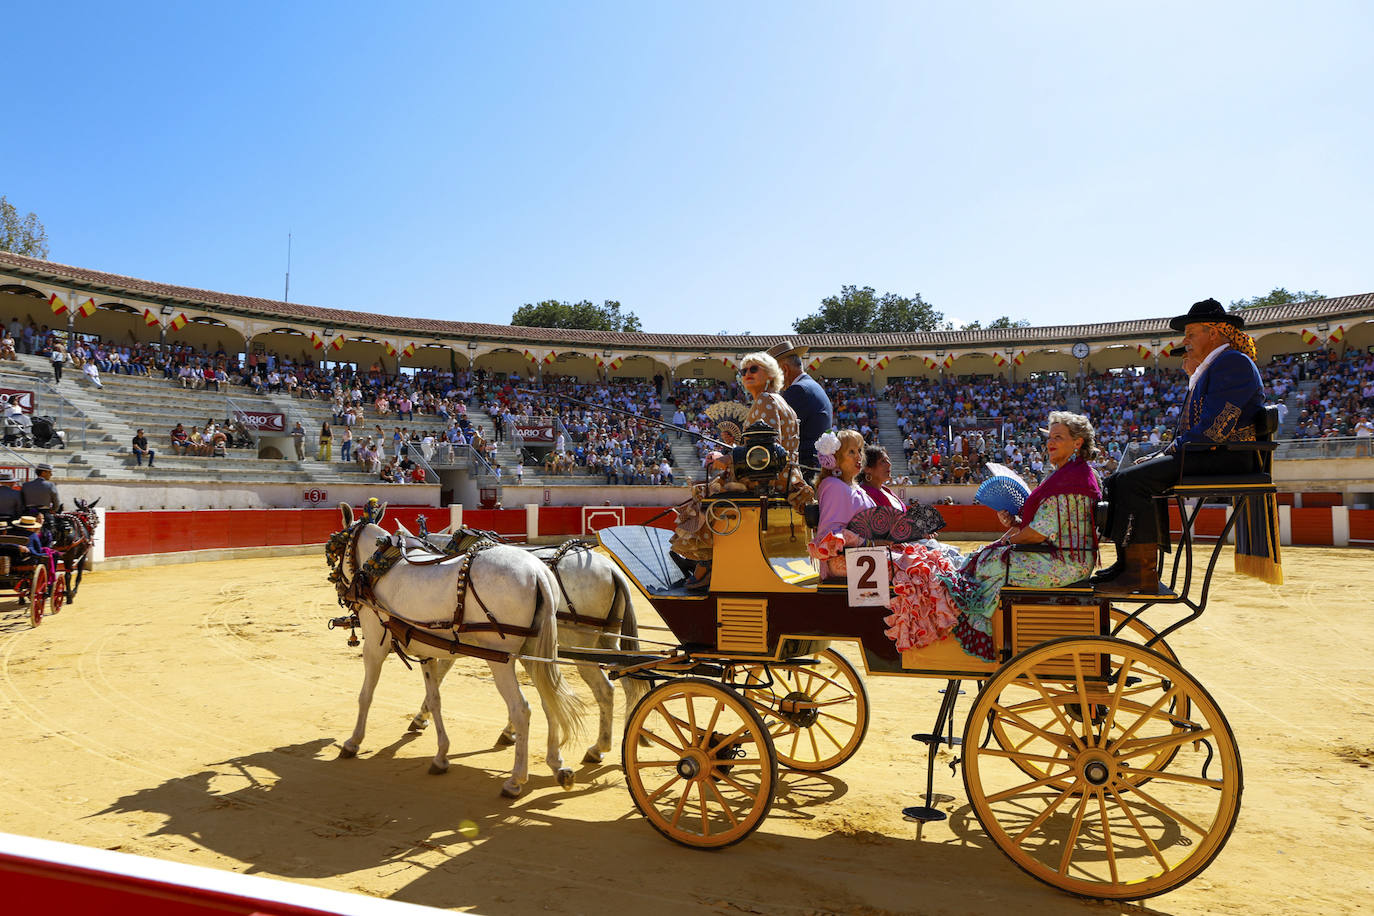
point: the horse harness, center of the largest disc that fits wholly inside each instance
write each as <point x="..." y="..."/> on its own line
<point x="360" y="590"/>
<point x="571" y="615"/>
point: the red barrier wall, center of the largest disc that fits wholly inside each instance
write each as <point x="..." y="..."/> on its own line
<point x="1311" y="526"/>
<point x="1321" y="500"/>
<point x="167" y="531"/>
<point x="1362" y="525"/>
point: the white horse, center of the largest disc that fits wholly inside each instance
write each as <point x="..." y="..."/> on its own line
<point x="595" y="610"/>
<point x="506" y="588"/>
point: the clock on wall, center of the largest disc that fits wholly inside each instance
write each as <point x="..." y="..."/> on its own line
<point x="1080" y="350"/>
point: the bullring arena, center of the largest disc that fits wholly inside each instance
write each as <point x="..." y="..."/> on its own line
<point x="190" y="704"/>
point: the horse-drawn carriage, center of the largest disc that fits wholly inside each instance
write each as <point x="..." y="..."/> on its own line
<point x="1090" y="756"/>
<point x="45" y="585"/>
<point x="29" y="577"/>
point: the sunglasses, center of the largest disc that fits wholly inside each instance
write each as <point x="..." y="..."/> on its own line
<point x="750" y="370"/>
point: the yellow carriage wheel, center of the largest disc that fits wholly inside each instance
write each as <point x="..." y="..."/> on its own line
<point x="704" y="772"/>
<point x="1099" y="821"/>
<point x="1141" y="692"/>
<point x="816" y="713"/>
<point x="723" y="517"/>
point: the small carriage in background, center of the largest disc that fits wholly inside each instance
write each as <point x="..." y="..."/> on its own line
<point x="27" y="577"/>
<point x="1090" y="756"/>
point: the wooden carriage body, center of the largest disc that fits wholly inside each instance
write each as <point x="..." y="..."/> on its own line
<point x="767" y="602"/>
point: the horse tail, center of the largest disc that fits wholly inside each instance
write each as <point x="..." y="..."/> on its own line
<point x="635" y="688"/>
<point x="565" y="707"/>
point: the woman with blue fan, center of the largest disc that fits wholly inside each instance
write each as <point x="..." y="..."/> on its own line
<point x="1051" y="539"/>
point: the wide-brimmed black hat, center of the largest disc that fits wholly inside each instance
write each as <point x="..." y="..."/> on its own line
<point x="1206" y="310"/>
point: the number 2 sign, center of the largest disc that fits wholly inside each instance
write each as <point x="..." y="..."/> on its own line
<point x="868" y="576"/>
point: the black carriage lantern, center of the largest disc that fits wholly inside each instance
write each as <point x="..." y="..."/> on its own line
<point x="759" y="456"/>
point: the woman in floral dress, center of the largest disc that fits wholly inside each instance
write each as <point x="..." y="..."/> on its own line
<point x="1058" y="516"/>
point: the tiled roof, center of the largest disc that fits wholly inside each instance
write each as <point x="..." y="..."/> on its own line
<point x="189" y="297"/>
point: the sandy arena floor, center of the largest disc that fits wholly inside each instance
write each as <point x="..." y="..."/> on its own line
<point x="192" y="713"/>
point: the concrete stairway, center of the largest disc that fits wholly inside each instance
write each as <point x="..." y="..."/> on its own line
<point x="891" y="438"/>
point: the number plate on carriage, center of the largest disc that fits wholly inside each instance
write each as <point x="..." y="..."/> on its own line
<point x="868" y="576"/>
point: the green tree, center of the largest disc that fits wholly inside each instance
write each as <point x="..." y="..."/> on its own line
<point x="21" y="236"/>
<point x="856" y="311"/>
<point x="582" y="316"/>
<point x="1276" y="296"/>
<point x="998" y="324"/>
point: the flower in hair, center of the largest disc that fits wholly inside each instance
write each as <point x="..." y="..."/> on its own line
<point x="826" y="447"/>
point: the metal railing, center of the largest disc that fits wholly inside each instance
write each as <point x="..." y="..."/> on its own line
<point x="50" y="402"/>
<point x="1328" y="447"/>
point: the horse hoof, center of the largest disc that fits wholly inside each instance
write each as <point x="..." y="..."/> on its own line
<point x="565" y="778"/>
<point x="347" y="753"/>
<point x="505" y="740"/>
<point x="509" y="791"/>
<point x="436" y="770"/>
<point x="416" y="725"/>
<point x="592" y="756"/>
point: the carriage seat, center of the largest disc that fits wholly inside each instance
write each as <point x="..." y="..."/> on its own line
<point x="1259" y="479"/>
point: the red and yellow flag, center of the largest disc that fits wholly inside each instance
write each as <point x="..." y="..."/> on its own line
<point x="179" y="322"/>
<point x="1019" y="358"/>
<point x="550" y="356"/>
<point x="1309" y="336"/>
<point x="862" y="363"/>
<point x="930" y="363"/>
<point x="999" y="359"/>
<point x="316" y="341"/>
<point x="949" y="361"/>
<point x="882" y="363"/>
<point x="150" y="319"/>
<point x="389" y="347"/>
<point x="1144" y="351"/>
<point x="728" y="363"/>
<point x="814" y="364"/>
<point x="409" y="350"/>
<point x="1338" y="334"/>
<point x="617" y="362"/>
<point x="87" y="308"/>
<point x="338" y="342"/>
<point x="57" y="304"/>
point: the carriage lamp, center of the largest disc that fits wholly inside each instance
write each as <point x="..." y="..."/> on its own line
<point x="759" y="456"/>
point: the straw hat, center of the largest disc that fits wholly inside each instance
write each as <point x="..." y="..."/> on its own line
<point x="28" y="522"/>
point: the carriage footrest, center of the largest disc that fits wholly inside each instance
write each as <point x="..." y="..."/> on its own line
<point x="951" y="740"/>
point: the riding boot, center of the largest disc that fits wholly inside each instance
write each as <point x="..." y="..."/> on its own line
<point x="1140" y="574"/>
<point x="1110" y="573"/>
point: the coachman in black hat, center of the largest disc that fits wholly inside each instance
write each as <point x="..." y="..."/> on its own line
<point x="1224" y="396"/>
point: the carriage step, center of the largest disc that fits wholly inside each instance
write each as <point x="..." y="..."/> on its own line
<point x="951" y="740"/>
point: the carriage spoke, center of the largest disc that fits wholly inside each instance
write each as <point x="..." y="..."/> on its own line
<point x="725" y="806"/>
<point x="1043" y="815"/>
<point x="1107" y="836"/>
<point x="1178" y="816"/>
<point x="1081" y="689"/>
<point x="1163" y="743"/>
<point x="1054" y="707"/>
<point x="729" y="739"/>
<point x="1139" y="829"/>
<point x="711" y="726"/>
<point x="1014" y="791"/>
<point x="1148" y="714"/>
<point x="653" y="796"/>
<point x="1034" y="730"/>
<point x="1169" y="776"/>
<point x="1072" y="839"/>
<point x="701" y="801"/>
<point x="681" y="803"/>
<point x="1109" y="720"/>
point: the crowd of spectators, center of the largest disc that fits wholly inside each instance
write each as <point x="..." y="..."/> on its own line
<point x="1342" y="403"/>
<point x="950" y="427"/>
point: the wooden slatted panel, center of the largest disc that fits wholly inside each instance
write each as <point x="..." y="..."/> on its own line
<point x="742" y="624"/>
<point x="1033" y="624"/>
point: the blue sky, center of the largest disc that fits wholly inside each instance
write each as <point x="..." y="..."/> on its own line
<point x="712" y="166"/>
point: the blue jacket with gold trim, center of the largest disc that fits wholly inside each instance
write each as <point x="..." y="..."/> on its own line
<point x="1224" y="401"/>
